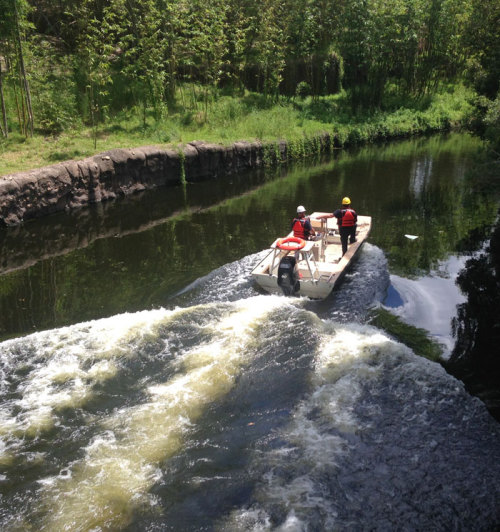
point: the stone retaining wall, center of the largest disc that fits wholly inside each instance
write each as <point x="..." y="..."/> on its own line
<point x="120" y="172"/>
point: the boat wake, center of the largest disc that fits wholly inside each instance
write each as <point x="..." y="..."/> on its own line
<point x="230" y="282"/>
<point x="363" y="286"/>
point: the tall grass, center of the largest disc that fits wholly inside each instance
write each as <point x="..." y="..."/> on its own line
<point x="248" y="117"/>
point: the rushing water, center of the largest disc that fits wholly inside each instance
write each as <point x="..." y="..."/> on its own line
<point x="170" y="394"/>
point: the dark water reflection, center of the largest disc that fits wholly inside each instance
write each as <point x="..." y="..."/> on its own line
<point x="136" y="253"/>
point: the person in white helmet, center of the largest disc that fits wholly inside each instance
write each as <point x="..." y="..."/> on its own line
<point x="301" y="224"/>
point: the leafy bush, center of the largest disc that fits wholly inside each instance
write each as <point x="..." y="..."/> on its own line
<point x="303" y="89"/>
<point x="53" y="88"/>
<point x="492" y="122"/>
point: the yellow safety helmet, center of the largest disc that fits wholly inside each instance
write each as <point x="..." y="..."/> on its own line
<point x="346" y="201"/>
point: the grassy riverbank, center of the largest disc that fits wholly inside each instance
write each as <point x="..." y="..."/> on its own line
<point x="249" y="117"/>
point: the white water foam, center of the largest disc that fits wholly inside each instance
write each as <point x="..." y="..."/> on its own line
<point x="121" y="463"/>
<point x="60" y="368"/>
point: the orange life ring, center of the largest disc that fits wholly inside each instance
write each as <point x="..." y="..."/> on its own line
<point x="292" y="243"/>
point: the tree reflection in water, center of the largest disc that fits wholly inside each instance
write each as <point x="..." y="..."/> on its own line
<point x="476" y="357"/>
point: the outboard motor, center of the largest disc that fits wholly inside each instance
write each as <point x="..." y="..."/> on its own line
<point x="287" y="276"/>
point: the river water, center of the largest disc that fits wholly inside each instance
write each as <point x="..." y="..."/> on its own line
<point x="149" y="385"/>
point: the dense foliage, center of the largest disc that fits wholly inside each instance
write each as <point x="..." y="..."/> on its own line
<point x="86" y="59"/>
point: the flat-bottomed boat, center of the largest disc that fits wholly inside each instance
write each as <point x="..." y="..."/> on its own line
<point x="310" y="268"/>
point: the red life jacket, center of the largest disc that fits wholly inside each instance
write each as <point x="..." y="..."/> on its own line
<point x="348" y="218"/>
<point x="298" y="226"/>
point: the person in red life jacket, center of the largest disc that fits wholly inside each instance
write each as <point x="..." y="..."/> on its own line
<point x="301" y="224"/>
<point x="347" y="220"/>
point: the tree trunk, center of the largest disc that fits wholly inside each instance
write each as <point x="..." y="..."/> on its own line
<point x="24" y="121"/>
<point x="24" y="78"/>
<point x="18" y="107"/>
<point x="5" y="129"/>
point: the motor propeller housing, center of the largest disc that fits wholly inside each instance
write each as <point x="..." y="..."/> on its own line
<point x="287" y="276"/>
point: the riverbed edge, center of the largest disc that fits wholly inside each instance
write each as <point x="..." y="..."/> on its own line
<point x="119" y="172"/>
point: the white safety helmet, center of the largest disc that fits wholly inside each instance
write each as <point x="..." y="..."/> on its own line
<point x="300" y="209"/>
